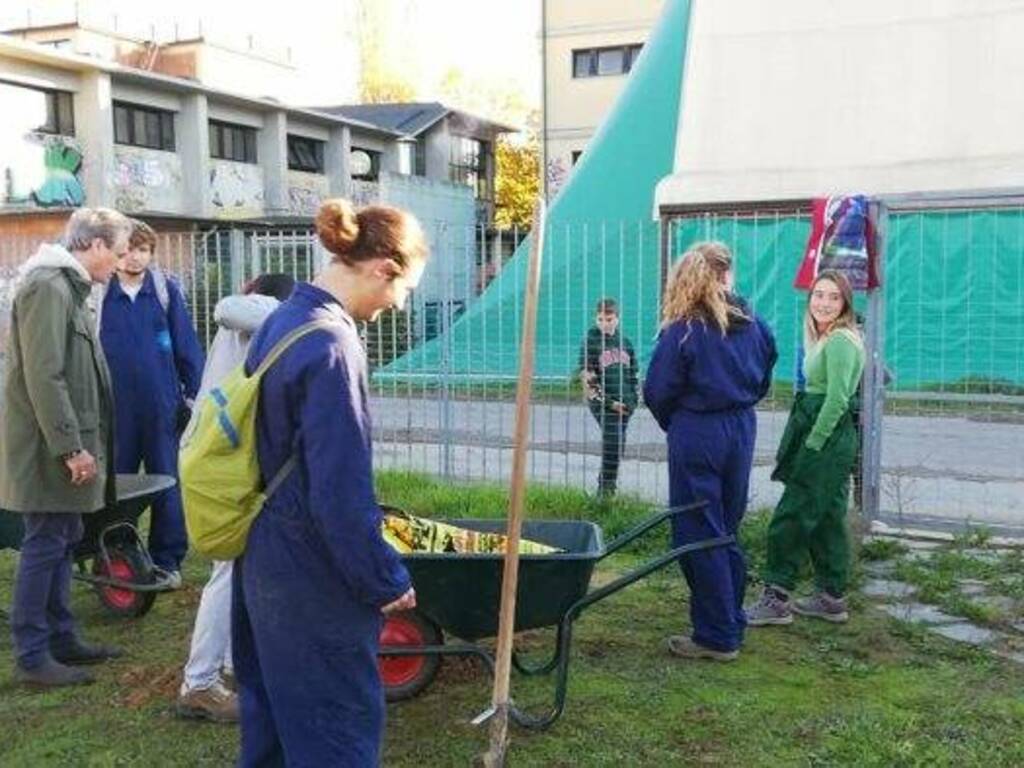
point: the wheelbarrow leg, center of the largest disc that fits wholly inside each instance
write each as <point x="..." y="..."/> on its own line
<point x="546" y="668"/>
<point x="562" y="656"/>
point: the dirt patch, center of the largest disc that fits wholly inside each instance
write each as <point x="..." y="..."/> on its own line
<point x="143" y="684"/>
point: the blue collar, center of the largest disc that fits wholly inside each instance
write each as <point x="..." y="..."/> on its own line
<point x="115" y="286"/>
<point x="316" y="297"/>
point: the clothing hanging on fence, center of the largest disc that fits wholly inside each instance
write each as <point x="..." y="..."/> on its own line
<point x="842" y="238"/>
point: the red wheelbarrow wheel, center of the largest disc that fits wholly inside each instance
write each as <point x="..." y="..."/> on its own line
<point x="126" y="564"/>
<point x="405" y="676"/>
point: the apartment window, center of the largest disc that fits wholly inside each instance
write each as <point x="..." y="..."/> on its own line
<point x="420" y="167"/>
<point x="139" y="126"/>
<point x="604" y="62"/>
<point x="576" y="155"/>
<point x="413" y="157"/>
<point x="364" y="164"/>
<point x="305" y="154"/>
<point x="38" y="109"/>
<point x="469" y="164"/>
<point x="229" y="141"/>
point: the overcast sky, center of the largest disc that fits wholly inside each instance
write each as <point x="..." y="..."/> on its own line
<point x="496" y="39"/>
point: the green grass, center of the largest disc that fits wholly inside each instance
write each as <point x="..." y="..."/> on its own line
<point x="870" y="693"/>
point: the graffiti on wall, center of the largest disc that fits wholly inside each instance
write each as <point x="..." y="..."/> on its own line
<point x="236" y="190"/>
<point x="146" y="181"/>
<point x="45" y="173"/>
<point x="557" y="174"/>
<point x="365" y="192"/>
<point x="303" y="201"/>
<point x="305" y="193"/>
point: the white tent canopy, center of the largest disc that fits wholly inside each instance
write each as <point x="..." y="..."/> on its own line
<point x="797" y="98"/>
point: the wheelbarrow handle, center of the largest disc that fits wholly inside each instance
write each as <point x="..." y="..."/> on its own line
<point x="652" y="522"/>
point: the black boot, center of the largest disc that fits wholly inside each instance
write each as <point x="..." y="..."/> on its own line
<point x="52" y="674"/>
<point x="75" y="652"/>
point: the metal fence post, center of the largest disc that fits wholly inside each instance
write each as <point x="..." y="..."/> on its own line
<point x="236" y="259"/>
<point x="445" y="323"/>
<point x="873" y="390"/>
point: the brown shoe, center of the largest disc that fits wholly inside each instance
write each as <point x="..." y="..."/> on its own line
<point x="685" y="648"/>
<point x="215" y="703"/>
<point x="230" y="681"/>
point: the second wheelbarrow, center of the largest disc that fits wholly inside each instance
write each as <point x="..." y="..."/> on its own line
<point x="459" y="595"/>
<point x="111" y="555"/>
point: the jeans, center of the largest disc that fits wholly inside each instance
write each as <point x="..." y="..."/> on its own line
<point x="149" y="442"/>
<point x="41" y="612"/>
<point x="211" y="637"/>
<point x="613" y="441"/>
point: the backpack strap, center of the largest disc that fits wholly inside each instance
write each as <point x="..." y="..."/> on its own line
<point x="163" y="294"/>
<point x="282" y="475"/>
<point x="276" y="351"/>
<point x="279" y="349"/>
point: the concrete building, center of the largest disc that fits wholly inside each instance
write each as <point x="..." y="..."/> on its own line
<point x="438" y="143"/>
<point x="244" y="67"/>
<point x="588" y="51"/>
<point x="79" y="130"/>
<point x="232" y="181"/>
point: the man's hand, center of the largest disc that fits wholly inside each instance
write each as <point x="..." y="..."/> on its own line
<point x="82" y="467"/>
<point x="405" y="603"/>
<point x="620" y="408"/>
<point x="590" y="388"/>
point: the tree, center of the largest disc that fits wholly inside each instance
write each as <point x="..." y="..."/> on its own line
<point x="384" y="31"/>
<point x="517" y="180"/>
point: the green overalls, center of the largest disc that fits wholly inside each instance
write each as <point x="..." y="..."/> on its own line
<point x="814" y="460"/>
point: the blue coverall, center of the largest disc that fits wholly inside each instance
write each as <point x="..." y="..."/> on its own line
<point x="155" y="362"/>
<point x="701" y="386"/>
<point x="308" y="591"/>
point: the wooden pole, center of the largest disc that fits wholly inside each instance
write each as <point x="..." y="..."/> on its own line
<point x="495" y="756"/>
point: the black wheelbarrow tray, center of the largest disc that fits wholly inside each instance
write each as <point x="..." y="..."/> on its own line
<point x="111" y="555"/>
<point x="460" y="594"/>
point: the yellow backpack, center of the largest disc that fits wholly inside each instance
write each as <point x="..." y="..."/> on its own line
<point x="220" y="474"/>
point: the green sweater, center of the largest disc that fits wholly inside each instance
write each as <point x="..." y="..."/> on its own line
<point x="833" y="368"/>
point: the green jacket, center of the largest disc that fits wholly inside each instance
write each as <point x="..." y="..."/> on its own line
<point x="833" y="369"/>
<point x="57" y="394"/>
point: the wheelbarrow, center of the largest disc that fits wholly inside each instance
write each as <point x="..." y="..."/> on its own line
<point x="459" y="595"/>
<point x="112" y="556"/>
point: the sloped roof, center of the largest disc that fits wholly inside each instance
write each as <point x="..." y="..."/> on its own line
<point x="409" y="118"/>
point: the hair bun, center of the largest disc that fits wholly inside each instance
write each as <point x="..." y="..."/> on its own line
<point x="337" y="225"/>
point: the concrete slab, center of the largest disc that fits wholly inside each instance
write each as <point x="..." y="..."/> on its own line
<point x="920" y="613"/>
<point x="879" y="567"/>
<point x="885" y="588"/>
<point x="965" y="632"/>
<point x="1000" y="603"/>
<point x="972" y="587"/>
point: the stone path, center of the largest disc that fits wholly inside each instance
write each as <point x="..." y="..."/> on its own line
<point x="900" y="600"/>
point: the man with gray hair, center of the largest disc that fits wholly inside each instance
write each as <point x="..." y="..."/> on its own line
<point x="56" y="438"/>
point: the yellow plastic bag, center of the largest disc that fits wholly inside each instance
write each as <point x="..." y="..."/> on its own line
<point x="408" y="533"/>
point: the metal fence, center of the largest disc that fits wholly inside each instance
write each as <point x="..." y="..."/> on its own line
<point x="952" y="448"/>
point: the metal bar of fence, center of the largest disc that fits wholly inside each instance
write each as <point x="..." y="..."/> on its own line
<point x="455" y="423"/>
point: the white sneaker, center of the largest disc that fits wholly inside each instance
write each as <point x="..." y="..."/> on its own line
<point x="171" y="579"/>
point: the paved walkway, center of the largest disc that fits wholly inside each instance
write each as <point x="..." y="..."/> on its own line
<point x="1002" y="635"/>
